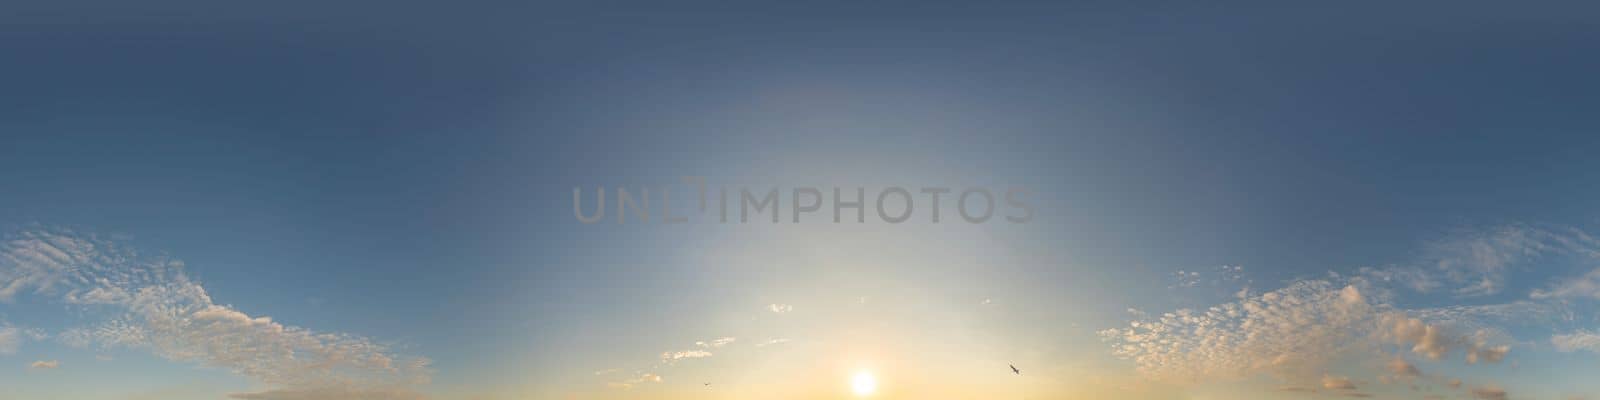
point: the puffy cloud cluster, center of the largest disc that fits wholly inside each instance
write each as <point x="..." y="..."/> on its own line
<point x="1296" y="333"/>
<point x="1291" y="332"/>
<point x="154" y="306"/>
<point x="1432" y="342"/>
<point x="780" y="308"/>
<point x="1287" y="331"/>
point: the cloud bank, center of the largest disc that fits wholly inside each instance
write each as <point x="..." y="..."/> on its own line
<point x="153" y="306"/>
<point x="1298" y="332"/>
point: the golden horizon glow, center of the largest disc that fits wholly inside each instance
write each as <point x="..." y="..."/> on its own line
<point x="863" y="383"/>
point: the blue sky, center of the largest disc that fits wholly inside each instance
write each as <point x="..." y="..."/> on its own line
<point x="400" y="174"/>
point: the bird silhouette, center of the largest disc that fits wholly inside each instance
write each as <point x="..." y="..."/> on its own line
<point x="1014" y="369"/>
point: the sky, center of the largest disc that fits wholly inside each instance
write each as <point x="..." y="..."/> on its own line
<point x="303" y="200"/>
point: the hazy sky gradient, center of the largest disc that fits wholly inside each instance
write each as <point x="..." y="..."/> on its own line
<point x="400" y="175"/>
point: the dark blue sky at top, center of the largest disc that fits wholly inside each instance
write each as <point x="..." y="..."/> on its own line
<point x="375" y="146"/>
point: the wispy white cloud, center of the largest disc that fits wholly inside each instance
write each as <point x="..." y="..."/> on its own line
<point x="635" y="380"/>
<point x="1477" y="261"/>
<point x="1411" y="277"/>
<point x="41" y="364"/>
<point x="671" y="356"/>
<point x="718" y="342"/>
<point x="772" y="342"/>
<point x="780" y="308"/>
<point x="157" y="308"/>
<point x="1577" y="341"/>
<point x="1582" y="287"/>
<point x="10" y="340"/>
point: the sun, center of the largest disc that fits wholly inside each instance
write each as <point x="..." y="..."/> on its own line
<point x="864" y="384"/>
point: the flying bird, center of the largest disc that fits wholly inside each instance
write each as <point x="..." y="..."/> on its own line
<point x="1014" y="369"/>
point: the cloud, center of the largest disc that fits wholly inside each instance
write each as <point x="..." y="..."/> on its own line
<point x="52" y="364"/>
<point x="1577" y="341"/>
<point x="1290" y="331"/>
<point x="10" y="340"/>
<point x="1487" y="354"/>
<point x="1337" y="383"/>
<point x="1412" y="277"/>
<point x="1426" y="340"/>
<point x="1296" y="389"/>
<point x="1432" y="341"/>
<point x="1400" y="367"/>
<point x="772" y="342"/>
<point x="636" y="380"/>
<point x="332" y="393"/>
<point x="1481" y="315"/>
<point x="606" y="371"/>
<point x="76" y="338"/>
<point x="1185" y="279"/>
<point x="719" y="342"/>
<point x="1489" y="393"/>
<point x="780" y="308"/>
<point x="1583" y="287"/>
<point x="155" y="307"/>
<point x="1358" y="394"/>
<point x="671" y="356"/>
<point x="1477" y="262"/>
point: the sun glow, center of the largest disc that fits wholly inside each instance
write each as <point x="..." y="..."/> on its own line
<point x="863" y="383"/>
